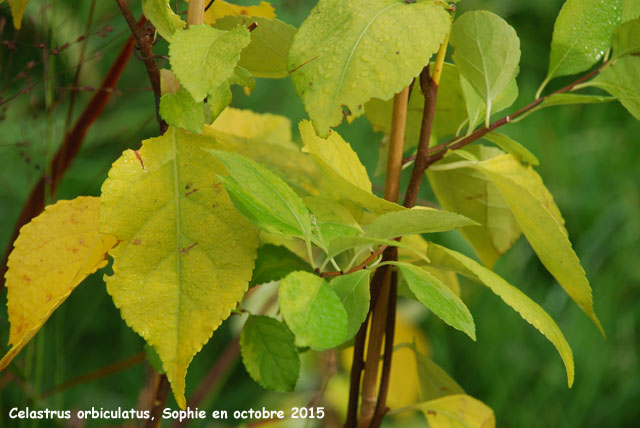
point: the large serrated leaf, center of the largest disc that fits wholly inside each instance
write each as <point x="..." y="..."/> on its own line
<point x="269" y="353"/>
<point x="163" y="18"/>
<point x="203" y="57"/>
<point x="540" y="220"/>
<point x="266" y="55"/>
<point x="346" y="53"/>
<point x="581" y="35"/>
<point x="313" y="311"/>
<point x="342" y="168"/>
<point x="53" y="253"/>
<point x="529" y="310"/>
<point x="487" y="53"/>
<point x="185" y="255"/>
<point x="438" y="298"/>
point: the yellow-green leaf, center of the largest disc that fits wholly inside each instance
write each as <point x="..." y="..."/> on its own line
<point x="470" y="193"/>
<point x="509" y="145"/>
<point x="458" y="411"/>
<point x="185" y="255"/>
<point x="52" y="255"/>
<point x="529" y="310"/>
<point x="266" y="55"/>
<point x="346" y="53"/>
<point x="181" y="110"/>
<point x="342" y="168"/>
<point x="17" y="11"/>
<point x="622" y="80"/>
<point x="203" y="57"/>
<point x="540" y="220"/>
<point x="415" y="221"/>
<point x="163" y="18"/>
<point x="626" y="39"/>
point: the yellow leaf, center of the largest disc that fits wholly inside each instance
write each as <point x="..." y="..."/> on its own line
<point x="17" y="11"/>
<point x="52" y="255"/>
<point x="267" y="127"/>
<point x="220" y="9"/>
<point x="342" y="168"/>
<point x="186" y="255"/>
<point x="458" y="411"/>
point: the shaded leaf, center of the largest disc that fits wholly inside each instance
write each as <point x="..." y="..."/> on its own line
<point x="470" y="193"/>
<point x="630" y="10"/>
<point x="181" y="110"/>
<point x="438" y="298"/>
<point x="331" y="220"/>
<point x="457" y="411"/>
<point x="269" y="353"/>
<point x="153" y="359"/>
<point x="17" y="11"/>
<point x="185" y="255"/>
<point x="53" y="253"/>
<point x="353" y="291"/>
<point x="263" y="197"/>
<point x="487" y="53"/>
<point x="626" y="39"/>
<point x="622" y="80"/>
<point x="313" y="311"/>
<point x="527" y="308"/>
<point x="434" y="381"/>
<point x="203" y="57"/>
<point x="266" y="55"/>
<point x="332" y="56"/>
<point x="274" y="262"/>
<point x="163" y="18"/>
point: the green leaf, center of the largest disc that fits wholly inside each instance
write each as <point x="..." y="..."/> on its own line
<point x="353" y="291"/>
<point x="266" y="55"/>
<point x="487" y="53"/>
<point x="438" y="298"/>
<point x="527" y="308"/>
<point x="581" y="35"/>
<point x="263" y="197"/>
<point x="540" y="220"/>
<point x="630" y="10"/>
<point x="346" y="53"/>
<point x="449" y="114"/>
<point x="274" y="262"/>
<point x="184" y="257"/>
<point x="415" y="221"/>
<point x="566" y="99"/>
<point x="626" y="39"/>
<point x="162" y="17"/>
<point x="181" y="110"/>
<point x="622" y="80"/>
<point x="269" y="353"/>
<point x="242" y="77"/>
<point x="477" y="108"/>
<point x="509" y="145"/>
<point x="342" y="168"/>
<point x="313" y="311"/>
<point x="344" y="243"/>
<point x="203" y="58"/>
<point x="470" y="193"/>
<point x="434" y="381"/>
<point x="218" y="100"/>
<point x="331" y="220"/>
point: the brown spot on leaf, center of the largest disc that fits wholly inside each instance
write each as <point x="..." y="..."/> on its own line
<point x="432" y="412"/>
<point x="136" y="242"/>
<point x="186" y="250"/>
<point x="191" y="191"/>
<point x="139" y="158"/>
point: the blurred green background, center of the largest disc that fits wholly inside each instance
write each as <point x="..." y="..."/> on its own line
<point x="589" y="156"/>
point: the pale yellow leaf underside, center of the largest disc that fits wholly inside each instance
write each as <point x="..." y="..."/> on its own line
<point x="186" y="255"/>
<point x="220" y="9"/>
<point x="52" y="255"/>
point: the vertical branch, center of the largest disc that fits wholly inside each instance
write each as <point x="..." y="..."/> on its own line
<point x="381" y="283"/>
<point x="195" y="13"/>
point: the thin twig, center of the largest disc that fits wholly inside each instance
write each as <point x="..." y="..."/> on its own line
<point x="161" y="393"/>
<point x="144" y="40"/>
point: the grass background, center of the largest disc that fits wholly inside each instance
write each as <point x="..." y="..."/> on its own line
<point x="588" y="155"/>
